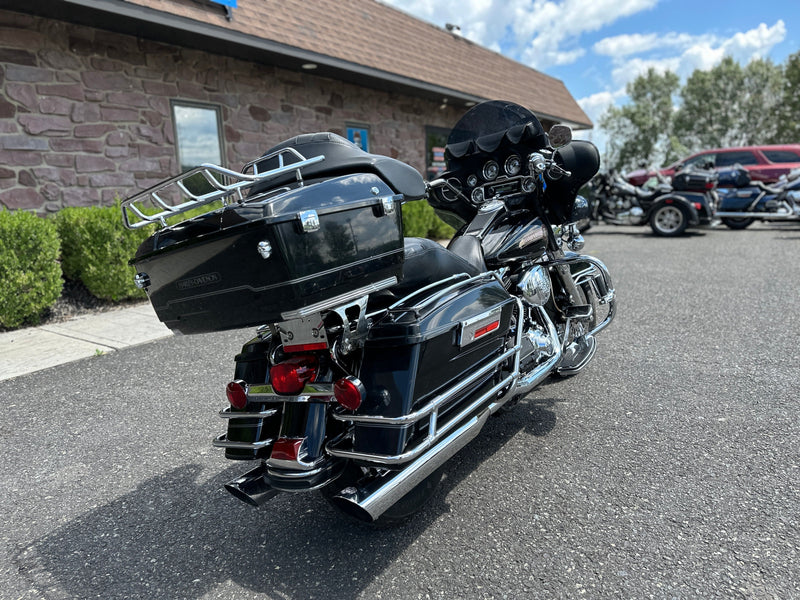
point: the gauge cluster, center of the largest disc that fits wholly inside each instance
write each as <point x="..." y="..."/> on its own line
<point x="489" y="179"/>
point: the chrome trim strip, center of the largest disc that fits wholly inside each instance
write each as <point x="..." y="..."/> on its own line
<point x="435" y="403"/>
<point x="337" y="300"/>
<point x="264" y="392"/>
<point x="222" y="441"/>
<point x="227" y="413"/>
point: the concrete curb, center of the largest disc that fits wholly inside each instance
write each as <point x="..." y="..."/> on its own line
<point x="29" y="350"/>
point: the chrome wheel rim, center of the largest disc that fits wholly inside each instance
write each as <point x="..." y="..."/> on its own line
<point x="669" y="219"/>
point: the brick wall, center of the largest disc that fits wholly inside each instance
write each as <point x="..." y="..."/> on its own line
<point x="85" y="114"/>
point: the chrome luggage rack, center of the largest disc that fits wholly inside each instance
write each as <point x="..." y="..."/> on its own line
<point x="225" y="183"/>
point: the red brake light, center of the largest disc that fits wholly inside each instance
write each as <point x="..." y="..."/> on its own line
<point x="290" y="376"/>
<point x="349" y="392"/>
<point x="697" y="205"/>
<point x="237" y="394"/>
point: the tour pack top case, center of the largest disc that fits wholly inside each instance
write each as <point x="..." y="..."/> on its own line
<point x="294" y="237"/>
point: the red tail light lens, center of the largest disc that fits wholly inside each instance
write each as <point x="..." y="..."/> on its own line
<point x="697" y="206"/>
<point x="290" y="376"/>
<point x="349" y="392"/>
<point x="237" y="394"/>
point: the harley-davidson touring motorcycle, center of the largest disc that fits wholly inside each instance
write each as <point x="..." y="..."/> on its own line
<point x="376" y="358"/>
<point x="743" y="201"/>
<point x="668" y="207"/>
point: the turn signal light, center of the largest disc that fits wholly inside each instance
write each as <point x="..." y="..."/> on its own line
<point x="290" y="377"/>
<point x="349" y="392"/>
<point x="236" y="393"/>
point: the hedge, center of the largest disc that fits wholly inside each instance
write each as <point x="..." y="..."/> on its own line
<point x="96" y="248"/>
<point x="30" y="276"/>
<point x="420" y="220"/>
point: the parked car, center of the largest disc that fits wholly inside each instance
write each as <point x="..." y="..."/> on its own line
<point x="764" y="163"/>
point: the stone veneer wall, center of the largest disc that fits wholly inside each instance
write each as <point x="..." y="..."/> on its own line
<point x="85" y="114"/>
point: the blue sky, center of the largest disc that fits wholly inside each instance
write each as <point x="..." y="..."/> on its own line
<point x="597" y="46"/>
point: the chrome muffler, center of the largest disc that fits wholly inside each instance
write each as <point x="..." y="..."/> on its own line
<point x="370" y="501"/>
<point x="766" y="216"/>
<point x="252" y="487"/>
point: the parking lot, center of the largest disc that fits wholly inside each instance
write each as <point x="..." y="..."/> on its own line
<point x="670" y="468"/>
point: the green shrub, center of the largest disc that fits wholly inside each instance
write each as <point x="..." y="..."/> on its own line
<point x="30" y="276"/>
<point x="420" y="220"/>
<point x="96" y="248"/>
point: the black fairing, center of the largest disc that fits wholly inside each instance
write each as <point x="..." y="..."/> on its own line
<point x="489" y="130"/>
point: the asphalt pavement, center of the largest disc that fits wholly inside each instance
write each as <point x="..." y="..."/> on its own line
<point x="669" y="468"/>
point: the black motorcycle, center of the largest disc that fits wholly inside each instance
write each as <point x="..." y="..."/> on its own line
<point x="377" y="357"/>
<point x="668" y="207"/>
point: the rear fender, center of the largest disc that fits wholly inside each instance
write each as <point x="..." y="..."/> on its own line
<point x="685" y="204"/>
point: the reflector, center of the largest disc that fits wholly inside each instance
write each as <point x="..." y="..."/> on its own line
<point x="349" y="392"/>
<point x="236" y="393"/>
<point x="286" y="448"/>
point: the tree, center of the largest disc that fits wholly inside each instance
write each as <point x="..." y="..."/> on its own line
<point x="640" y="131"/>
<point x="789" y="111"/>
<point x="729" y="105"/>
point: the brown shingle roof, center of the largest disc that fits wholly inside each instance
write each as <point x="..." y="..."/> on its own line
<point x="382" y="41"/>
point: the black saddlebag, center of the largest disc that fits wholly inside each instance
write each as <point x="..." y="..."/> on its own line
<point x="260" y="261"/>
<point x="694" y="180"/>
<point x="421" y="350"/>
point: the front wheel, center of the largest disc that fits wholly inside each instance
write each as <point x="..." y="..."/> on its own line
<point x="668" y="220"/>
<point x="735" y="223"/>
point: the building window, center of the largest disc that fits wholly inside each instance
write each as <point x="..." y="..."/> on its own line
<point x="435" y="141"/>
<point x="359" y="135"/>
<point x="197" y="134"/>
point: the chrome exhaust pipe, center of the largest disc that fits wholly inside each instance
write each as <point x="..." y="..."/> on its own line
<point x="252" y="488"/>
<point x="767" y="216"/>
<point x="369" y="502"/>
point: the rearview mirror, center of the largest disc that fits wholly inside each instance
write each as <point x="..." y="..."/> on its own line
<point x="560" y="135"/>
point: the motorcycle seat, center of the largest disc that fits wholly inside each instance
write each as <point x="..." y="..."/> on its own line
<point x="427" y="262"/>
<point x="342" y="157"/>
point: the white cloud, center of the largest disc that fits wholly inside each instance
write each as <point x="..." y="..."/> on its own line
<point x="539" y="33"/>
<point x="682" y="53"/>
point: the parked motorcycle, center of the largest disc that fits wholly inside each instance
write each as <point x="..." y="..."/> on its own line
<point x="669" y="208"/>
<point x="377" y="358"/>
<point x="742" y="201"/>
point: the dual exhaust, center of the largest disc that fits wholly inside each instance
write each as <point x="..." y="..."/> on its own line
<point x="369" y="502"/>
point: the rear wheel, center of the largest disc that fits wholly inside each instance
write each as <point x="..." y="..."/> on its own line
<point x="736" y="223"/>
<point x="668" y="220"/>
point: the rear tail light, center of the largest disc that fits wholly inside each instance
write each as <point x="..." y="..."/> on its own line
<point x="290" y="377"/>
<point x="349" y="392"/>
<point x="710" y="185"/>
<point x="698" y="206"/>
<point x="236" y="393"/>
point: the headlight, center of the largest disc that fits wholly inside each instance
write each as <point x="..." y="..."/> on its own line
<point x="490" y="170"/>
<point x="513" y="165"/>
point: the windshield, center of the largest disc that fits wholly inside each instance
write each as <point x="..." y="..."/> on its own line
<point x="485" y="126"/>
